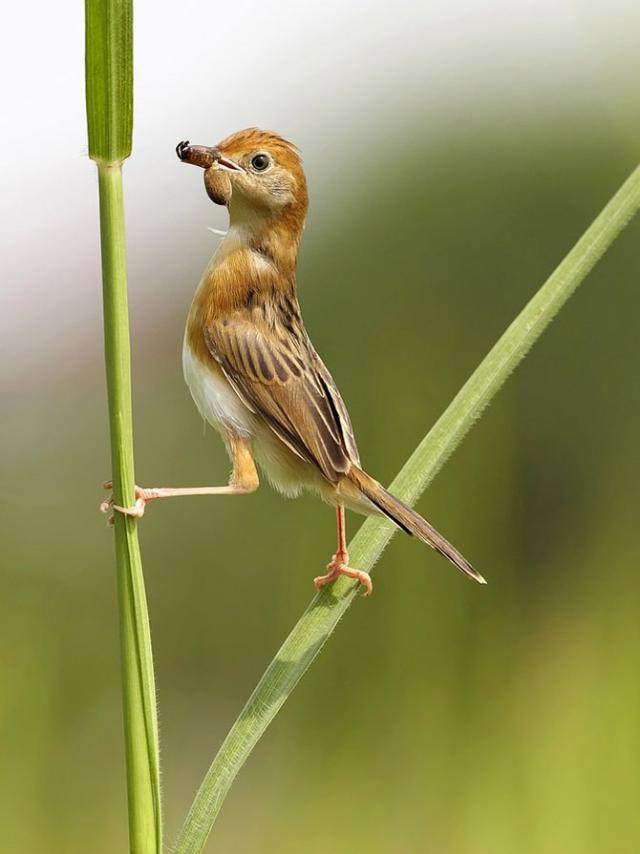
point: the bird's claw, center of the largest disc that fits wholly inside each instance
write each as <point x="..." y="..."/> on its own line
<point x="136" y="510"/>
<point x="338" y="565"/>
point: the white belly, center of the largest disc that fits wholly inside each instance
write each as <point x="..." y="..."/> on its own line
<point x="216" y="400"/>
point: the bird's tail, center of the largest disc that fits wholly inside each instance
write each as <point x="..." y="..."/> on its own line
<point x="410" y="521"/>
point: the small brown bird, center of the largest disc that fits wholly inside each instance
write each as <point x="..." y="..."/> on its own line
<point x="248" y="361"/>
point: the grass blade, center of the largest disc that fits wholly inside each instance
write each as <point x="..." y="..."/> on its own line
<point x="322" y="615"/>
<point x="109" y="90"/>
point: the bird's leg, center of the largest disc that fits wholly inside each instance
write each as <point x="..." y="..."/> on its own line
<point x="244" y="479"/>
<point x="340" y="560"/>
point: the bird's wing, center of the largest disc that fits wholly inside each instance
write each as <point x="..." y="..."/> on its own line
<point x="278" y="375"/>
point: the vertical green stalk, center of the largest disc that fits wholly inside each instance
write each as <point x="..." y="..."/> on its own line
<point x="140" y="719"/>
<point x="109" y="89"/>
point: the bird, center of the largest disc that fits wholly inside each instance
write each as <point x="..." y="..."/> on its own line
<point x="249" y="363"/>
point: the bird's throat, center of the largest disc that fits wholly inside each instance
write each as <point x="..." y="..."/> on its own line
<point x="268" y="239"/>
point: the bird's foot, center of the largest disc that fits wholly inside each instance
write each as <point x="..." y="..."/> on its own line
<point x="143" y="496"/>
<point x="339" y="566"/>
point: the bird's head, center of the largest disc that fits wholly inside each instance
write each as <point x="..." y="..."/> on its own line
<point x="255" y="173"/>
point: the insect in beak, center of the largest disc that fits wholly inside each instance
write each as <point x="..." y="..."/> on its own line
<point x="202" y="155"/>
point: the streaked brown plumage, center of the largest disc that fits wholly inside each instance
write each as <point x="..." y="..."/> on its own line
<point x="248" y="360"/>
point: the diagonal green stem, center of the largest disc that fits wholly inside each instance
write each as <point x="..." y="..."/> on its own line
<point x="325" y="610"/>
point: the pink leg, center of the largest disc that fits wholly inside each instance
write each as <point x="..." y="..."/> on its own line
<point x="144" y="496"/>
<point x="340" y="560"/>
<point x="243" y="480"/>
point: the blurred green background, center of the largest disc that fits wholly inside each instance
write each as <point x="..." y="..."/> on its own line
<point x="441" y="717"/>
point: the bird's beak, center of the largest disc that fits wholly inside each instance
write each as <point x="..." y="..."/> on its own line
<point x="202" y="155"/>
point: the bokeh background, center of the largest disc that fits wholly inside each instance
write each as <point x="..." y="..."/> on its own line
<point x="455" y="151"/>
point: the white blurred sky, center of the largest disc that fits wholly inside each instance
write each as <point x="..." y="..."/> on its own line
<point x="335" y="77"/>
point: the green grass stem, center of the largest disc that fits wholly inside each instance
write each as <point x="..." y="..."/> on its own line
<point x="109" y="90"/>
<point x="325" y="610"/>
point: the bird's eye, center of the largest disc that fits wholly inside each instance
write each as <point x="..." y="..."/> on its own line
<point x="260" y="162"/>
